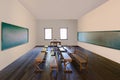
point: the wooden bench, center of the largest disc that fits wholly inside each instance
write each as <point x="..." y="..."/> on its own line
<point x="46" y="46"/>
<point x="80" y="58"/>
<point x="61" y="49"/>
<point x="59" y="46"/>
<point x="38" y="60"/>
<point x="52" y="49"/>
<point x="67" y="59"/>
<point x="55" y="43"/>
<point x="52" y="53"/>
<point x="53" y="64"/>
<point x="70" y="49"/>
<point x="44" y="49"/>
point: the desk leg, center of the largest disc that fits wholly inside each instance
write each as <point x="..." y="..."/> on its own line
<point x="66" y="69"/>
<point x="37" y="68"/>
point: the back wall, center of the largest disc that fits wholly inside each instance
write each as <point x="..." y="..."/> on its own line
<point x="56" y="25"/>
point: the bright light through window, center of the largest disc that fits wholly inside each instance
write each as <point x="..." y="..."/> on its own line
<point x="48" y="33"/>
<point x="63" y="33"/>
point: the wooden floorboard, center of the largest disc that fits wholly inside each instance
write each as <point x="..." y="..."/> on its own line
<point x="103" y="67"/>
<point x="99" y="68"/>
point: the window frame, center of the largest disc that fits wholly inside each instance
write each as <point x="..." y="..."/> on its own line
<point x="51" y="33"/>
<point x="66" y="30"/>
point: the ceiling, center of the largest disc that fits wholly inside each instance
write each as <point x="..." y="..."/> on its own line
<point x="60" y="9"/>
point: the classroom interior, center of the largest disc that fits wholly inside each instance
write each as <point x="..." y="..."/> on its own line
<point x="65" y="40"/>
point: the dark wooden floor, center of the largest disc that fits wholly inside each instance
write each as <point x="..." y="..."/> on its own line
<point x="99" y="68"/>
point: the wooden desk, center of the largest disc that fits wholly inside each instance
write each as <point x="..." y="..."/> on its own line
<point x="38" y="60"/>
<point x="53" y="63"/>
<point x="81" y="59"/>
<point x="62" y="49"/>
<point x="55" y="43"/>
<point x="59" y="46"/>
<point x="46" y="46"/>
<point x="52" y="53"/>
<point x="44" y="49"/>
<point x="67" y="60"/>
<point x="69" y="49"/>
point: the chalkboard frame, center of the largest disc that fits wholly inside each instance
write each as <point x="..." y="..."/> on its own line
<point x="13" y="35"/>
<point x="110" y="39"/>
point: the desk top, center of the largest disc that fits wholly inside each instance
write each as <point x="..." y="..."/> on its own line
<point x="69" y="50"/>
<point x="66" y="57"/>
<point x="62" y="49"/>
<point x="53" y="62"/>
<point x="43" y="49"/>
<point x="46" y="46"/>
<point x="52" y="53"/>
<point x="59" y="46"/>
<point x="40" y="57"/>
<point x="80" y="59"/>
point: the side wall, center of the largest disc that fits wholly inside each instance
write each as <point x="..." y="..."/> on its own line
<point x="56" y="25"/>
<point x="104" y="18"/>
<point x="11" y="11"/>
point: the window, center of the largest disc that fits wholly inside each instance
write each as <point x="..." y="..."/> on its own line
<point x="48" y="33"/>
<point x="63" y="33"/>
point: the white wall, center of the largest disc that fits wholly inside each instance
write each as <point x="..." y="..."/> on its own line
<point x="104" y="18"/>
<point x="56" y="25"/>
<point x="11" y="11"/>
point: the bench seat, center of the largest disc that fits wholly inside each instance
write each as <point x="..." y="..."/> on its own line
<point x="38" y="60"/>
<point x="52" y="53"/>
<point x="53" y="64"/>
<point x="62" y="49"/>
<point x="81" y="59"/>
<point x="40" y="57"/>
<point x="44" y="49"/>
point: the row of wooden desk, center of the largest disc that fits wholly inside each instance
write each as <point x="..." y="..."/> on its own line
<point x="53" y="61"/>
<point x="55" y="43"/>
<point x="66" y="59"/>
<point x="39" y="59"/>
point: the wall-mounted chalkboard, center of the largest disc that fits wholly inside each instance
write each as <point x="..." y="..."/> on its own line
<point x="109" y="39"/>
<point x="13" y="35"/>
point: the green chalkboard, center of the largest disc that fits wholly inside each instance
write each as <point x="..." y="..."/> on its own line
<point x="109" y="39"/>
<point x="13" y="35"/>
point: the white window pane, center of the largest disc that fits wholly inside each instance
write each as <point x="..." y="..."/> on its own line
<point x="63" y="33"/>
<point x="48" y="33"/>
